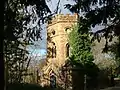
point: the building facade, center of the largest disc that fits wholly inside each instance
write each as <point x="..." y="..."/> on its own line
<point x="57" y="45"/>
<point x="58" y="48"/>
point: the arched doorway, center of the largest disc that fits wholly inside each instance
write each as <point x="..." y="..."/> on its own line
<point x="52" y="80"/>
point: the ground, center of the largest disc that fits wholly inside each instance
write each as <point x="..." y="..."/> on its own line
<point x="112" y="88"/>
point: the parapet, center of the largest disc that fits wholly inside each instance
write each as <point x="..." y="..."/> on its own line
<point x="63" y="18"/>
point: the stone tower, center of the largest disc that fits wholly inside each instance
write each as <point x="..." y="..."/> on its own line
<point x="58" y="47"/>
<point x="57" y="43"/>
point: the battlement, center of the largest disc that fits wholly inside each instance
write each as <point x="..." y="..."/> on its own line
<point x="63" y="18"/>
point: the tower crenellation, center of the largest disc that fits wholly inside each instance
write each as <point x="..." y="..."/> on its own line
<point x="63" y="18"/>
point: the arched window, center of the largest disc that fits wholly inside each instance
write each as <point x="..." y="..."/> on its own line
<point x="53" y="32"/>
<point x="53" y="51"/>
<point x="67" y="50"/>
<point x="68" y="29"/>
<point x="52" y="80"/>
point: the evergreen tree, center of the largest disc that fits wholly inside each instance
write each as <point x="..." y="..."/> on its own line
<point x="82" y="58"/>
<point x="80" y="46"/>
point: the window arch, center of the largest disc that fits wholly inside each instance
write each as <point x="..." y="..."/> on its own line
<point x="68" y="29"/>
<point x="67" y="50"/>
<point x="53" y="32"/>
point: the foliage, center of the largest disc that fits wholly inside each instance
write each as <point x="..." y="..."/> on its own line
<point x="99" y="12"/>
<point x="104" y="13"/>
<point x="18" y="33"/>
<point x="105" y="61"/>
<point x="80" y="46"/>
<point x="17" y="16"/>
<point x="15" y="59"/>
<point x="81" y="57"/>
<point x="107" y="64"/>
<point x="115" y="50"/>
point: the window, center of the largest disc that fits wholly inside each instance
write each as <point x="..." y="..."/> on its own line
<point x="53" y="32"/>
<point x="67" y="50"/>
<point x="53" y="51"/>
<point x="52" y="80"/>
<point x="68" y="29"/>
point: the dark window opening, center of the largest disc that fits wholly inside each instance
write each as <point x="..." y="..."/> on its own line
<point x="67" y="50"/>
<point x="53" y="32"/>
<point x="54" y="51"/>
<point x="53" y="80"/>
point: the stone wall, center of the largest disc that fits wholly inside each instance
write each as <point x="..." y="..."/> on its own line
<point x="57" y="36"/>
